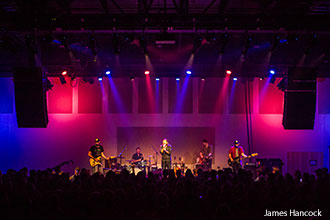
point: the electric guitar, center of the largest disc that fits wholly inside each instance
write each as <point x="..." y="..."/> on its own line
<point x="95" y="161"/>
<point x="237" y="159"/>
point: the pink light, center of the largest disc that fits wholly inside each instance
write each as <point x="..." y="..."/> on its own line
<point x="64" y="73"/>
<point x="228" y="72"/>
<point x="147" y="72"/>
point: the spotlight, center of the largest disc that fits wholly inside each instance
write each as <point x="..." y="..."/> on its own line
<point x="261" y="78"/>
<point x="272" y="71"/>
<point x="235" y="78"/>
<point x="64" y="73"/>
<point x="90" y="80"/>
<point x="108" y="72"/>
<point x="49" y="85"/>
<point x="147" y="72"/>
<point x="272" y="80"/>
<point x="100" y="79"/>
<point x="177" y="79"/>
<point x="203" y="78"/>
<point x="62" y="79"/>
<point x="188" y="72"/>
<point x="228" y="72"/>
<point x="157" y="79"/>
<point x="283" y="84"/>
<point x="132" y="78"/>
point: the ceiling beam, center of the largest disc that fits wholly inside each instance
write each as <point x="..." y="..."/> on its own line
<point x="117" y="6"/>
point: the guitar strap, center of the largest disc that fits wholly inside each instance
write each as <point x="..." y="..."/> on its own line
<point x="236" y="152"/>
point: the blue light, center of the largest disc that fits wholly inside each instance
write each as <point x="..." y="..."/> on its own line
<point x="235" y="78"/>
<point x="188" y="72"/>
<point x="100" y="79"/>
<point x="157" y="79"/>
<point x="177" y="79"/>
<point x="57" y="41"/>
<point x="108" y="72"/>
<point x="272" y="71"/>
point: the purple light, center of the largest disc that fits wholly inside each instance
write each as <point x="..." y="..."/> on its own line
<point x="157" y="79"/>
<point x="235" y="78"/>
<point x="108" y="72"/>
<point x="100" y="79"/>
<point x="188" y="72"/>
<point x="177" y="79"/>
<point x="272" y="71"/>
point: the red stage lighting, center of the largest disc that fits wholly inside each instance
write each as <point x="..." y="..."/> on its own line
<point x="147" y="72"/>
<point x="228" y="72"/>
<point x="64" y="73"/>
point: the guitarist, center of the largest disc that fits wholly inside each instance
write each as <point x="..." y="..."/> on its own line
<point x="96" y="154"/>
<point x="207" y="153"/>
<point x="236" y="152"/>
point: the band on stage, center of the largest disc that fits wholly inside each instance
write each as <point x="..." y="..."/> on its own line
<point x="203" y="161"/>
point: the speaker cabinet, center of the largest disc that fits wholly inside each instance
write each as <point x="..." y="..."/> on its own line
<point x="30" y="98"/>
<point x="300" y="99"/>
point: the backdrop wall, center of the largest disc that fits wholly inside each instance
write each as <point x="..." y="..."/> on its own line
<point x="141" y="112"/>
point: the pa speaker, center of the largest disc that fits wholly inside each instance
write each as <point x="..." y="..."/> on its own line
<point x="30" y="98"/>
<point x="300" y="99"/>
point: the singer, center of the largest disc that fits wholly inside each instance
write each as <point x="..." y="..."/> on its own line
<point x="165" y="151"/>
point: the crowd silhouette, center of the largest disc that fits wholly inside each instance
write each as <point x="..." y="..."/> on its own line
<point x="218" y="194"/>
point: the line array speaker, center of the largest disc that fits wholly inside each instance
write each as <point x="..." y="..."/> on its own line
<point x="30" y="98"/>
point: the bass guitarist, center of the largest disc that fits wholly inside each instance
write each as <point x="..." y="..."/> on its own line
<point x="236" y="153"/>
<point x="96" y="155"/>
<point x="207" y="154"/>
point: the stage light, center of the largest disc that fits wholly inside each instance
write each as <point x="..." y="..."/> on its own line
<point x="62" y="79"/>
<point x="272" y="71"/>
<point x="228" y="72"/>
<point x="177" y="79"/>
<point x="188" y="72"/>
<point x="100" y="79"/>
<point x="89" y="80"/>
<point x="147" y="72"/>
<point x="272" y="80"/>
<point x="203" y="78"/>
<point x="108" y="72"/>
<point x="64" y="73"/>
<point x="132" y="78"/>
<point x="157" y="79"/>
<point x="49" y="85"/>
<point x="283" y="84"/>
<point x="235" y="78"/>
<point x="261" y="78"/>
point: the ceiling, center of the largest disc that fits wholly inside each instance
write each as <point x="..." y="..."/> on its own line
<point x="86" y="37"/>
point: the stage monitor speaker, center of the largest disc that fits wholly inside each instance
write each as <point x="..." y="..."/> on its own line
<point x="300" y="99"/>
<point x="30" y="98"/>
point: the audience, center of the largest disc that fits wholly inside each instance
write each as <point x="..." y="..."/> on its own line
<point x="204" y="196"/>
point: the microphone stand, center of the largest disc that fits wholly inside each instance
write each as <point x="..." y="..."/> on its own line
<point x="120" y="157"/>
<point x="156" y="156"/>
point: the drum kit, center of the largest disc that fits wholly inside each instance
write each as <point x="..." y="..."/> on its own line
<point x="143" y="165"/>
<point x="115" y="164"/>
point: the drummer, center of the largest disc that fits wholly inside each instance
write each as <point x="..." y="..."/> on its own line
<point x="137" y="158"/>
